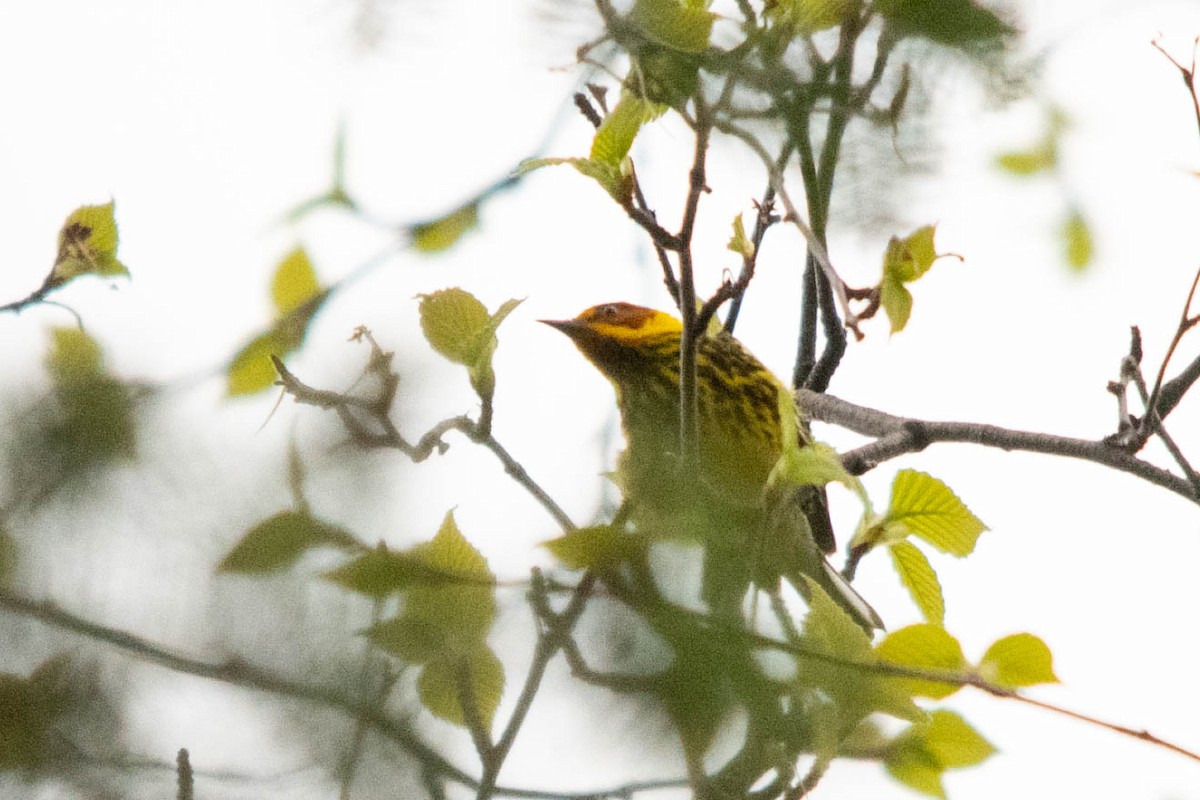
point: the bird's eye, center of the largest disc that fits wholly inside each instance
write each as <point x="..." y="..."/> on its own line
<point x="609" y="311"/>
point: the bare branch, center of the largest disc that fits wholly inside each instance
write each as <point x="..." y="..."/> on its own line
<point x="352" y="409"/>
<point x="896" y="436"/>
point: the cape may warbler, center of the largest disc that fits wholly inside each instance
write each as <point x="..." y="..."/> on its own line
<point x="751" y="533"/>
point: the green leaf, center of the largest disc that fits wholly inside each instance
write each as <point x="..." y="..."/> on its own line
<point x="454" y="323"/>
<point x="926" y="647"/>
<point x="95" y="421"/>
<point x="465" y="609"/>
<point x="665" y="76"/>
<point x="75" y="358"/>
<point x="917" y="575"/>
<point x="925" y="507"/>
<point x="279" y="542"/>
<point x="905" y="260"/>
<point x="810" y="16"/>
<point x="441" y="234"/>
<point x="1043" y="158"/>
<point x="294" y="282"/>
<point x="443" y="683"/>
<point x="297" y="298"/>
<point x="615" y="136"/>
<point x="954" y="743"/>
<point x="251" y="370"/>
<point x="921" y="755"/>
<point x="1016" y="661"/>
<point x="413" y="640"/>
<point x="29" y="708"/>
<point x="602" y="547"/>
<point x="678" y="26"/>
<point x="854" y="691"/>
<point x="896" y="301"/>
<point x="815" y="463"/>
<point x="916" y="769"/>
<point x="739" y="242"/>
<point x="1077" y="238"/>
<point x="449" y="601"/>
<point x="614" y="179"/>
<point x="954" y="23"/>
<point x="459" y="327"/>
<point x="87" y="244"/>
<point x="380" y="572"/>
<point x="908" y="259"/>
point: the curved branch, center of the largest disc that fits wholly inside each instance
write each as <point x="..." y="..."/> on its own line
<point x="896" y="436"/>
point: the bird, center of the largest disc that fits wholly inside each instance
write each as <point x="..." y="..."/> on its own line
<point x="753" y="531"/>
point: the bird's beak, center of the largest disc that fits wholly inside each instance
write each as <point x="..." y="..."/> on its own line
<point x="568" y="326"/>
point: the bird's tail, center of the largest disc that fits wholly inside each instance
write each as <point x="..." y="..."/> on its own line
<point x="842" y="593"/>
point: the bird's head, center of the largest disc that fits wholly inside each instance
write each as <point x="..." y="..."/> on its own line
<point x="612" y="335"/>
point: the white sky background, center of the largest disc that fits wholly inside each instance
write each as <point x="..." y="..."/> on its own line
<point x="206" y="123"/>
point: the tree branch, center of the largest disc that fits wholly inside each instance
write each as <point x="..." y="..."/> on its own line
<point x="896" y="436"/>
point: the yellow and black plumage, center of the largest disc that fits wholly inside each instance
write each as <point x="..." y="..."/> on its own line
<point x="751" y="532"/>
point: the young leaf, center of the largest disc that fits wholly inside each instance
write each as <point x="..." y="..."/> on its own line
<point x="95" y="421"/>
<point x="675" y="25"/>
<point x="954" y="743"/>
<point x="598" y="547"/>
<point x="87" y="244"/>
<point x="444" y="681"/>
<point x="856" y="692"/>
<point x="810" y="16"/>
<point x="466" y="608"/>
<point x="279" y="542"/>
<point x="444" y="232"/>
<point x="954" y="23"/>
<point x="297" y="297"/>
<point x="250" y="371"/>
<point x="921" y="755"/>
<point x="904" y="260"/>
<point x="925" y="507"/>
<point x="29" y="709"/>
<point x="380" y="572"/>
<point x="917" y="575"/>
<point x="1042" y="158"/>
<point x="459" y="327"/>
<point x="615" y="136"/>
<point x="294" y="282"/>
<point x="897" y="302"/>
<point x="927" y="647"/>
<point x="1077" y="238"/>
<point x="739" y="242"/>
<point x="75" y="358"/>
<point x="614" y="179"/>
<point x="454" y="322"/>
<point x="412" y="640"/>
<point x="1016" y="661"/>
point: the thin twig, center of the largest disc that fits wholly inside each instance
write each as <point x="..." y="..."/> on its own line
<point x="1186" y="323"/>
<point x="688" y="411"/>
<point x="184" y="779"/>
<point x="351" y="409"/>
<point x="1187" y="73"/>
<point x="550" y="641"/>
<point x="792" y="215"/>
